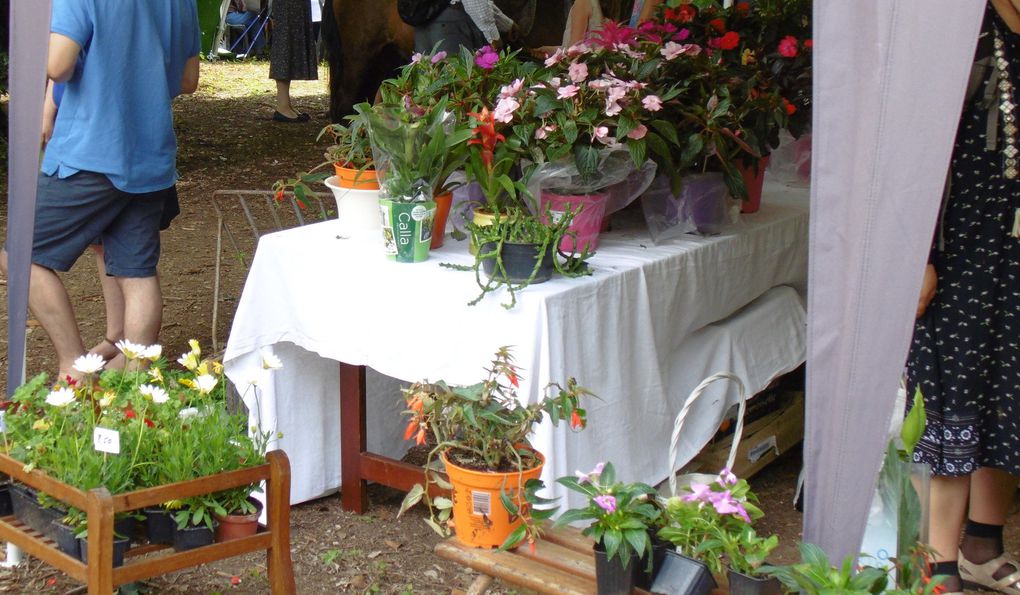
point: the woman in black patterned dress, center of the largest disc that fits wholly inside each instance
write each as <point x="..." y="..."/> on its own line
<point x="965" y="354"/>
<point x="292" y="55"/>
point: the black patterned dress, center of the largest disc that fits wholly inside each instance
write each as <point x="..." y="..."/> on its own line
<point x="966" y="348"/>
<point x="292" y="52"/>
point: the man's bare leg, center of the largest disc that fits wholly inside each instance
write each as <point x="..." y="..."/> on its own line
<point x="113" y="300"/>
<point x="50" y="304"/>
<point x="143" y="308"/>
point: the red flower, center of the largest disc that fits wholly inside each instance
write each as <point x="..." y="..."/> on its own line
<point x="743" y="8"/>
<point x="486" y="135"/>
<point x="718" y="24"/>
<point x="409" y="431"/>
<point x="278" y="195"/>
<point x="684" y="13"/>
<point x="575" y="420"/>
<point x="420" y="438"/>
<point x="513" y="378"/>
<point x="613" y="34"/>
<point x="729" y="41"/>
<point x="130" y="413"/>
<point x="808" y="44"/>
<point x="788" y="46"/>
<point x="789" y="107"/>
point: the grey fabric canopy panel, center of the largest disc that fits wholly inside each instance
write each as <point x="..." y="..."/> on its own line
<point x="889" y="82"/>
<point x="889" y="79"/>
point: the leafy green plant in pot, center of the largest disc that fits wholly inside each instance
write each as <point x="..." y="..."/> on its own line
<point x="412" y="151"/>
<point x="517" y="249"/>
<point x="621" y="515"/>
<point x="480" y="433"/>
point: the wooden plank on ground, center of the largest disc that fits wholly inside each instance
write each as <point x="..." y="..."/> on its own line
<point x="515" y="569"/>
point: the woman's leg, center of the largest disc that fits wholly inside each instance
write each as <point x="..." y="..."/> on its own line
<point x="947" y="511"/>
<point x="991" y="494"/>
<point x="283" y="104"/>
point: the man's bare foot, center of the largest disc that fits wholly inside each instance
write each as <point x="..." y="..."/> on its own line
<point x="106" y="348"/>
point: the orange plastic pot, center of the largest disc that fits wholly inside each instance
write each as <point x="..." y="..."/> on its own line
<point x="479" y="517"/>
<point x="356" y="178"/>
<point x="443" y="203"/>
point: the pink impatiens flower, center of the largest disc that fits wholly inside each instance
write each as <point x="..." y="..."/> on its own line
<point x="555" y="58"/>
<point x="416" y="57"/>
<point x="505" y="109"/>
<point x="486" y="58"/>
<point x="652" y="103"/>
<point x="788" y="47"/>
<point x="578" y="71"/>
<point x="512" y="89"/>
<point x="671" y="50"/>
<point x="438" y="57"/>
<point x="606" y="502"/>
<point x="567" y="92"/>
<point x="700" y="492"/>
<point x="724" y="503"/>
<point x="602" y="135"/>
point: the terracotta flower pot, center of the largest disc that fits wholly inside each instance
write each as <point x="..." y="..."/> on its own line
<point x="443" y="203"/>
<point x="479" y="518"/>
<point x="753" y="173"/>
<point x="236" y="526"/>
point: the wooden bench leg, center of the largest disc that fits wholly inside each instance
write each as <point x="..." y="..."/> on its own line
<point x="278" y="563"/>
<point x="480" y="586"/>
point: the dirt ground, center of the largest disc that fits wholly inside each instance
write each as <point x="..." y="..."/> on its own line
<point x="227" y="141"/>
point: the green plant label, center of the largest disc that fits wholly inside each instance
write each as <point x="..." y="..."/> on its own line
<point x="407" y="229"/>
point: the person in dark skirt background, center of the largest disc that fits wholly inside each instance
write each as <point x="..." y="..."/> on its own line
<point x="965" y="355"/>
<point x="292" y="55"/>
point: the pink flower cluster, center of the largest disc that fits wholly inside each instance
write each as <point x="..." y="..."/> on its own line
<point x="721" y="499"/>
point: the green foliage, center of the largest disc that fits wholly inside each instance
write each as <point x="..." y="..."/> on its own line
<point x="621" y="513"/>
<point x="517" y="226"/>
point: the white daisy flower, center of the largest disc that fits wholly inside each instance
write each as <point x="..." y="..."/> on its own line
<point x="205" y="383"/>
<point x="90" y="363"/>
<point x="157" y="393"/>
<point x="188" y="412"/>
<point x="271" y="362"/>
<point x="188" y="360"/>
<point x="152" y="352"/>
<point x="60" y="397"/>
<point x="129" y="349"/>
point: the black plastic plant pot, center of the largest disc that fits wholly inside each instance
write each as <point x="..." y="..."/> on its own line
<point x="159" y="525"/>
<point x="25" y="502"/>
<point x="680" y="574"/>
<point x="120" y="547"/>
<point x="611" y="577"/>
<point x="125" y="527"/>
<point x="646" y="575"/>
<point x="6" y="507"/>
<point x="64" y="537"/>
<point x="742" y="584"/>
<point x="190" y="538"/>
<point x="519" y="261"/>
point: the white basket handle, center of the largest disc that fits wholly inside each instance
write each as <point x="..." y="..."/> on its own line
<point x="674" y="443"/>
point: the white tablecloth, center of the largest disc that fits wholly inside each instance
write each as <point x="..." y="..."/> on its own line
<point x="641" y="332"/>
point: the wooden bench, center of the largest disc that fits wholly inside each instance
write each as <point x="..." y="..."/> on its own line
<point x="563" y="562"/>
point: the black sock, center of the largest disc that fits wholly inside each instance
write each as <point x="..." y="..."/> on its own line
<point x="951" y="570"/>
<point x="988" y="536"/>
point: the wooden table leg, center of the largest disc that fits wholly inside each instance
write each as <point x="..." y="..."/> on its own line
<point x="353" y="487"/>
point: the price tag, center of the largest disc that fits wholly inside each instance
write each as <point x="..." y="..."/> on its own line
<point x="3" y="421"/>
<point x="106" y="440"/>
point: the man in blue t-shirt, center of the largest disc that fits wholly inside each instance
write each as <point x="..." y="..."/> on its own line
<point x="111" y="162"/>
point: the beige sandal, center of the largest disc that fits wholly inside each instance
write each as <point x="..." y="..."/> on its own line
<point x="983" y="575"/>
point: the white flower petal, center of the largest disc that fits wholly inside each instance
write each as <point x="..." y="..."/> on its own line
<point x="205" y="383"/>
<point x="271" y="362"/>
<point x="60" y="397"/>
<point x="129" y="349"/>
<point x="90" y="363"/>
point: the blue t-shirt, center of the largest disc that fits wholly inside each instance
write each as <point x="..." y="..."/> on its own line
<point x="115" y="116"/>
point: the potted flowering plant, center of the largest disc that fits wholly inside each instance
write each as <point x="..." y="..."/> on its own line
<point x="594" y="117"/>
<point x="412" y="153"/>
<point x="621" y="515"/>
<point x="480" y="433"/>
<point x="712" y="523"/>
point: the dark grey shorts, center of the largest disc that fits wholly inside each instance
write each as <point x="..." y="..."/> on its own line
<point x="73" y="212"/>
